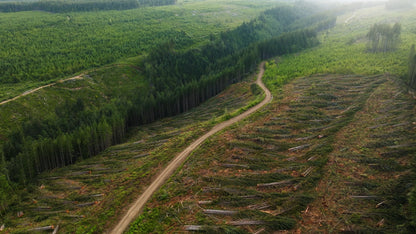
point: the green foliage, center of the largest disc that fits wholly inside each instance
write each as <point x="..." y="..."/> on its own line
<point x="150" y="221"/>
<point x="63" y="6"/>
<point x="343" y="53"/>
<point x="383" y="37"/>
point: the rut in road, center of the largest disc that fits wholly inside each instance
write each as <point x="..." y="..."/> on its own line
<point x="138" y="205"/>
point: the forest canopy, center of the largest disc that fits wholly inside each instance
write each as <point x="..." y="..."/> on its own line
<point x="63" y="6"/>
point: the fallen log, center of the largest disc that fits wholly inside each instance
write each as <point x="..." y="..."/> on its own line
<point x="307" y="172"/>
<point x="246" y="222"/>
<point x="378" y="126"/>
<point x="349" y="108"/>
<point x="400" y="146"/>
<point x="193" y="228"/>
<point x="220" y="212"/>
<point x="291" y="158"/>
<point x="87" y="204"/>
<point x="56" y="229"/>
<point x="401" y="124"/>
<point x="301" y="147"/>
<point x="204" y="202"/>
<point x="380" y="204"/>
<point x="284" y="182"/>
<point x="261" y="230"/>
<point x="38" y="229"/>
<point x="305" y="138"/>
<point x="259" y="206"/>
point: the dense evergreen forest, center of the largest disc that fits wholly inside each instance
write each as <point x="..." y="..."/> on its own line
<point x="61" y="6"/>
<point x="179" y="78"/>
<point x="38" y="46"/>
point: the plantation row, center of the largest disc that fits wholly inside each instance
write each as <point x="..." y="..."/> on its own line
<point x="60" y="6"/>
<point x="77" y="132"/>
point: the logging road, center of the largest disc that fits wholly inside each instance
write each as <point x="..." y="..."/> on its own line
<point x="139" y="203"/>
<point x="39" y="88"/>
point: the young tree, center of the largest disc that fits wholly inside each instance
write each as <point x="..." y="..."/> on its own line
<point x="383" y="37"/>
<point x="412" y="67"/>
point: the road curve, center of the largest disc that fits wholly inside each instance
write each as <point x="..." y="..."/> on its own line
<point x="138" y="205"/>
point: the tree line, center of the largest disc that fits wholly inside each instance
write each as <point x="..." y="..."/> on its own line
<point x="178" y="79"/>
<point x="60" y="6"/>
<point x="383" y="37"/>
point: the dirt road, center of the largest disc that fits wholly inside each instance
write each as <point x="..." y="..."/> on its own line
<point x="39" y="88"/>
<point x="138" y="205"/>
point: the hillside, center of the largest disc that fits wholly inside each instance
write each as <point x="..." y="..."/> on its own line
<point x="333" y="151"/>
<point x="68" y="121"/>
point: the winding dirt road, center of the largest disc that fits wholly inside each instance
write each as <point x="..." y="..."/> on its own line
<point x="39" y="88"/>
<point x="138" y="205"/>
